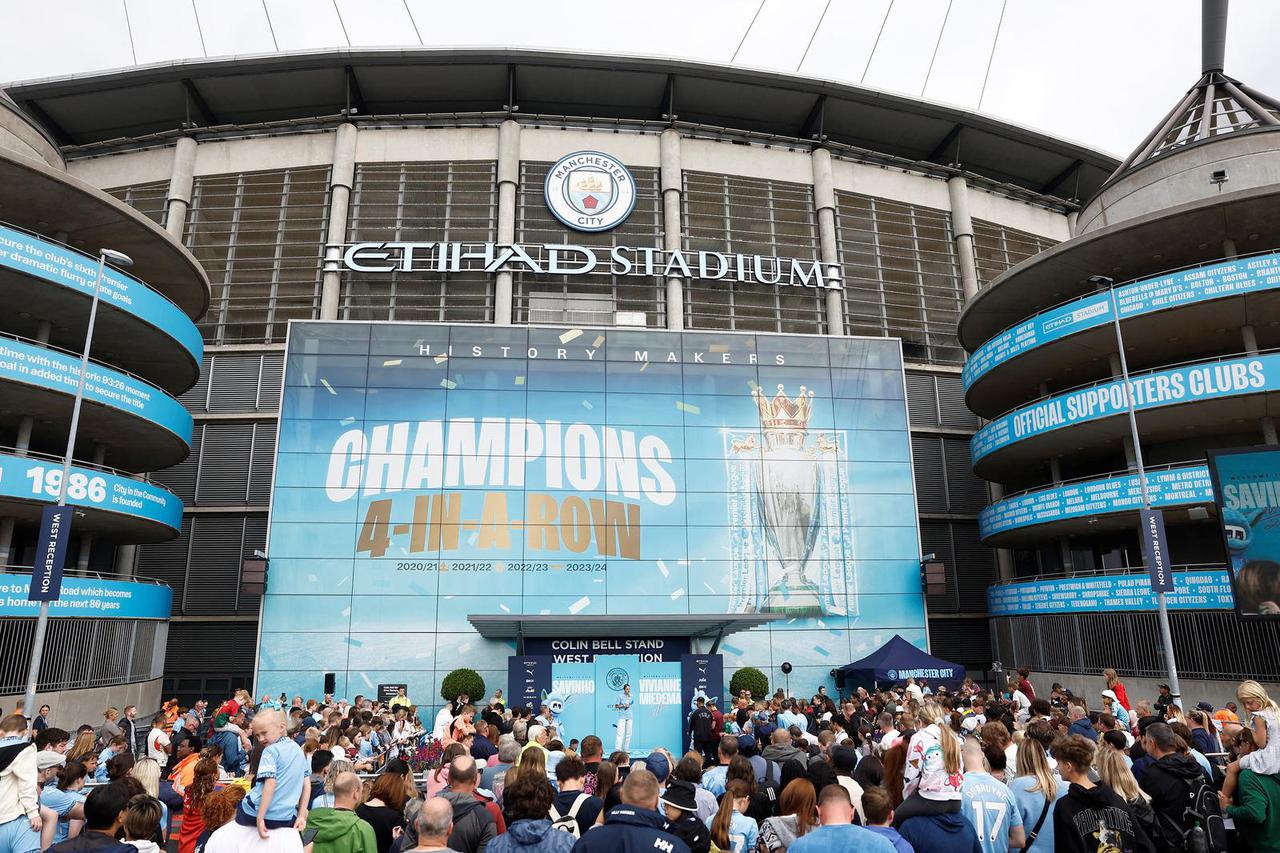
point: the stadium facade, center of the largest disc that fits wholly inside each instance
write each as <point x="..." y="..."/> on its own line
<point x="271" y="170"/>
<point x="1176" y="252"/>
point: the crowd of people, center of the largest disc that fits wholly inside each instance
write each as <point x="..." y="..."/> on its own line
<point x="909" y="768"/>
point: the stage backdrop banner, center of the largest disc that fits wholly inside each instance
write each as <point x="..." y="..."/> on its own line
<point x="427" y="473"/>
<point x="1246" y="489"/>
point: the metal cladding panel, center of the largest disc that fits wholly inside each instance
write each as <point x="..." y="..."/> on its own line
<point x="217" y="547"/>
<point x="283" y="94"/>
<point x="113" y="113"/>
<point x="224" y="464"/>
<point x="565" y="90"/>
<point x="922" y="400"/>
<point x="460" y="87"/>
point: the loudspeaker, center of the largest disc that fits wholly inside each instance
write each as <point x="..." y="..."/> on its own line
<point x="838" y="674"/>
<point x="786" y="668"/>
<point x="330" y="682"/>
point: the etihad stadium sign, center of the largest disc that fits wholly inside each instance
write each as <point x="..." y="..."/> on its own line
<point x="593" y="192"/>
<point x="568" y="259"/>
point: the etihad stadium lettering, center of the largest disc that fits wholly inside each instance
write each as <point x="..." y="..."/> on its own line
<point x="568" y="259"/>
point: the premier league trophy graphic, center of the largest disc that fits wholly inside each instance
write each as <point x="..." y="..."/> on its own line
<point x="788" y="497"/>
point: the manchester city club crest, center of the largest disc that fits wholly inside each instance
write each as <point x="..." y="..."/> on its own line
<point x="590" y="191"/>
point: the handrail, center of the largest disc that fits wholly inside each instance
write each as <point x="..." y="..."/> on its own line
<point x="1114" y="285"/>
<point x="80" y="463"/>
<point x="1132" y="375"/>
<point x="46" y="238"/>
<point x="71" y="571"/>
<point x="1124" y="570"/>
<point x="92" y="360"/>
<point x="1127" y="472"/>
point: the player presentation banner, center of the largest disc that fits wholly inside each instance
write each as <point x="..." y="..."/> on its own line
<point x="426" y="473"/>
<point x="1246" y="488"/>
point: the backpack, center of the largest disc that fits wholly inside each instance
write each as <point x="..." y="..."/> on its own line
<point x="568" y="822"/>
<point x="1202" y="829"/>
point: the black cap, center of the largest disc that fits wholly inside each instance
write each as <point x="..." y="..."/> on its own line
<point x="844" y="759"/>
<point x="1162" y="686"/>
<point x="680" y="795"/>
<point x="1205" y="706"/>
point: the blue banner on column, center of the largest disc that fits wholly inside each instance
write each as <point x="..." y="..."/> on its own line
<point x="528" y="680"/>
<point x="613" y="672"/>
<point x="51" y="551"/>
<point x="700" y="674"/>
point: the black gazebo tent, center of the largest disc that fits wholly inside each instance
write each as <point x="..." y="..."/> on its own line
<point x="898" y="660"/>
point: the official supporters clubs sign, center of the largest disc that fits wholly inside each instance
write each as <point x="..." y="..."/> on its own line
<point x="427" y="472"/>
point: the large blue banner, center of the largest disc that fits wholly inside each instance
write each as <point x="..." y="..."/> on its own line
<point x="1208" y="589"/>
<point x="40" y="480"/>
<point x="62" y="266"/>
<point x="1229" y="377"/>
<point x="425" y="473"/>
<point x="1169" y="487"/>
<point x="93" y="597"/>
<point x="1215" y="281"/>
<point x="1246" y="487"/>
<point x="45" y="368"/>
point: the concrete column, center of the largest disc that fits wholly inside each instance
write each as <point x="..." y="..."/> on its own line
<point x="1250" y="338"/>
<point x="1055" y="469"/>
<point x="1130" y="458"/>
<point x="1004" y="557"/>
<point x="1072" y="218"/>
<point x="126" y="559"/>
<point x="1229" y="248"/>
<point x="341" y="177"/>
<point x="181" y="179"/>
<point x="962" y="235"/>
<point x="508" y="183"/>
<point x="1269" y="431"/>
<point x="824" y="201"/>
<point x="671" y="179"/>
<point x="1064" y="554"/>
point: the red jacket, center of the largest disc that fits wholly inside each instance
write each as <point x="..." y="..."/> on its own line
<point x="717" y="722"/>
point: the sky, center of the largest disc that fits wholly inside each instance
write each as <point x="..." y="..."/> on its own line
<point x="1099" y="72"/>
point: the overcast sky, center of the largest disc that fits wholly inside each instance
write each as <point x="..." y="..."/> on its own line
<point x="1101" y="72"/>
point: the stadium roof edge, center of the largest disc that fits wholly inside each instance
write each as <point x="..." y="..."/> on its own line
<point x="82" y="109"/>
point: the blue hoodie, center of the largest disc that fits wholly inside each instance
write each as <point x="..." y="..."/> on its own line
<point x="950" y="832"/>
<point x="532" y="836"/>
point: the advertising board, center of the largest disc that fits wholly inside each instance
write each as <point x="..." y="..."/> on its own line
<point x="425" y="473"/>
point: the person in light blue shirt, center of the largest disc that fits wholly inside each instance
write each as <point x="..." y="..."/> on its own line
<point x="1036" y="789"/>
<point x="280" y="791"/>
<point x="66" y="797"/>
<point x="117" y="746"/>
<point x="791" y="717"/>
<point x="622" y="742"/>
<point x="988" y="804"/>
<point x="837" y="834"/>
<point x="731" y="830"/>
<point x="715" y="779"/>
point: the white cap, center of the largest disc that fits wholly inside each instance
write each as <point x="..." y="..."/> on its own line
<point x="1109" y="694"/>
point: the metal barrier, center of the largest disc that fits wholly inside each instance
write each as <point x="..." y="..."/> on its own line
<point x="83" y="653"/>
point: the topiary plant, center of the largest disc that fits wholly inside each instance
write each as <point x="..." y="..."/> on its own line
<point x="751" y="679"/>
<point x="462" y="681"/>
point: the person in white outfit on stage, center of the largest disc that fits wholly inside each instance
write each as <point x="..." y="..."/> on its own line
<point x="622" y="742"/>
